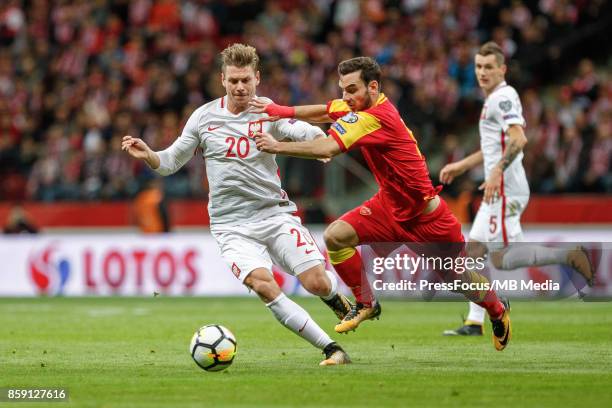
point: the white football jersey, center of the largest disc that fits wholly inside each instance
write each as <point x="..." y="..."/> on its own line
<point x="244" y="183"/>
<point x="501" y="109"/>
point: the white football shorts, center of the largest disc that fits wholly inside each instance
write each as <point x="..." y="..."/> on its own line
<point x="499" y="223"/>
<point x="280" y="240"/>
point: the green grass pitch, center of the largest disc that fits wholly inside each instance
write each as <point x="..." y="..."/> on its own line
<point x="129" y="352"/>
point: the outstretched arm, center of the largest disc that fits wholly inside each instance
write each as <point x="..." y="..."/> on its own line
<point x="313" y="113"/>
<point x="170" y="160"/>
<point x="138" y="149"/>
<point x="320" y="148"/>
<point x="308" y="113"/>
<point x="164" y="162"/>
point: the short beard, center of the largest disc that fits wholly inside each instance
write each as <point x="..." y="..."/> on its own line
<point x="369" y="102"/>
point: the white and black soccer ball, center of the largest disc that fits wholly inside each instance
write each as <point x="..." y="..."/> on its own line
<point x="213" y="347"/>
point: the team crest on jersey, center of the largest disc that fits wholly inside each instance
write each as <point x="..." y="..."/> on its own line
<point x="505" y="106"/>
<point x="350" y="117"/>
<point x="255" y="127"/>
<point x="513" y="208"/>
<point x="338" y="127"/>
<point x="365" y="210"/>
<point x="235" y="270"/>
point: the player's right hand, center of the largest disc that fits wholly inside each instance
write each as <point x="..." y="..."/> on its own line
<point x="274" y="111"/>
<point x="135" y="147"/>
<point x="450" y="172"/>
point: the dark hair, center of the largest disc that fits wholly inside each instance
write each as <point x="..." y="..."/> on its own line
<point x="491" y="48"/>
<point x="370" y="70"/>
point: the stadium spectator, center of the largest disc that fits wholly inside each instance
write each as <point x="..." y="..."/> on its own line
<point x="19" y="222"/>
<point x="597" y="177"/>
<point x="149" y="209"/>
<point x="564" y="178"/>
<point x="73" y="74"/>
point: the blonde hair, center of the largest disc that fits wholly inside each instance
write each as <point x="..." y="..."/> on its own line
<point x="239" y="55"/>
<point x="491" y="48"/>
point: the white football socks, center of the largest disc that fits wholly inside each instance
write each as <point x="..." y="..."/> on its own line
<point x="334" y="285"/>
<point x="476" y="314"/>
<point x="295" y="318"/>
<point x="518" y="256"/>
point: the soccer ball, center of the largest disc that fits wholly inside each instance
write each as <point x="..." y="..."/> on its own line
<point x="213" y="347"/>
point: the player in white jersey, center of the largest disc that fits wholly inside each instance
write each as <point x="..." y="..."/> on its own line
<point x="506" y="190"/>
<point x="251" y="216"/>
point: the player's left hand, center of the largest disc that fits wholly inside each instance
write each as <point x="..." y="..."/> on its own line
<point x="492" y="186"/>
<point x="265" y="142"/>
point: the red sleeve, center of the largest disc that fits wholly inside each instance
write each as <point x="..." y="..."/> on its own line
<point x="337" y="138"/>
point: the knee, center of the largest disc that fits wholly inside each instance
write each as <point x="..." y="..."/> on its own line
<point x="331" y="239"/>
<point x="497" y="259"/>
<point x="318" y="285"/>
<point x="335" y="238"/>
<point x="476" y="249"/>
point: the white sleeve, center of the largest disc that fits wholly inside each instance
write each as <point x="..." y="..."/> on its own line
<point x="507" y="110"/>
<point x="183" y="148"/>
<point x="295" y="130"/>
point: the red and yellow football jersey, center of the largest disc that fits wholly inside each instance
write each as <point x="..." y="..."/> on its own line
<point x="391" y="152"/>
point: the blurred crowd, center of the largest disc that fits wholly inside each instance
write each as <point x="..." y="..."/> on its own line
<point x="571" y="139"/>
<point x="75" y="76"/>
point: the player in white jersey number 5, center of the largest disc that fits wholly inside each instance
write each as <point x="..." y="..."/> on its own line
<point x="250" y="215"/>
<point x="506" y="190"/>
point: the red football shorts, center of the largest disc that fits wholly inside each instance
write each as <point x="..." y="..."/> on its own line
<point x="374" y="223"/>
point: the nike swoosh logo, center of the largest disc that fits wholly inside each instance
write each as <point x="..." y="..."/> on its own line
<point x="211" y="128"/>
<point x="303" y="327"/>
<point x="309" y="251"/>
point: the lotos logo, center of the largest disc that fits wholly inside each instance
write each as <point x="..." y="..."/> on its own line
<point x="123" y="270"/>
<point x="49" y="274"/>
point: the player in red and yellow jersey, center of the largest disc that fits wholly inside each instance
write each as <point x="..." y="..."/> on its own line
<point x="406" y="208"/>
